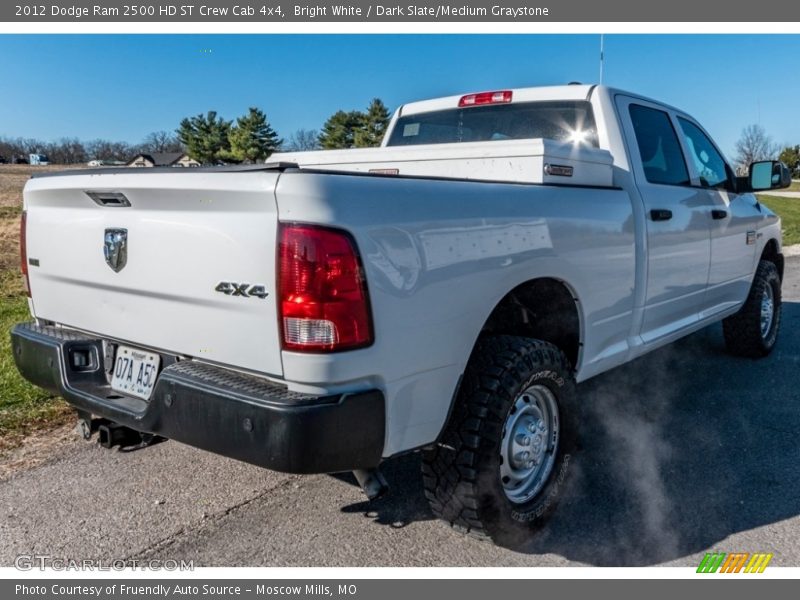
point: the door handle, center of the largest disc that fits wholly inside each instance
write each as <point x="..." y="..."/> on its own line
<point x="719" y="213"/>
<point x="660" y="214"/>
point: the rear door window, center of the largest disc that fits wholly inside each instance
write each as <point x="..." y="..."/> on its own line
<point x="659" y="148"/>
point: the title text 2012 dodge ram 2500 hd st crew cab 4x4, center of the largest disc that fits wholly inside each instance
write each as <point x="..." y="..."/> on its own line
<point x="441" y="293"/>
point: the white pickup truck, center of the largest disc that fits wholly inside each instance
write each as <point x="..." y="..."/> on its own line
<point x="442" y="293"/>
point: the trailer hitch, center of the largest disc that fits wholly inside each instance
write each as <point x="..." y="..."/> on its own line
<point x="110" y="434"/>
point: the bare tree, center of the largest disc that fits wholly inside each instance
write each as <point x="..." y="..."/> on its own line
<point x="11" y="147"/>
<point x="106" y="150"/>
<point x="754" y="145"/>
<point x="302" y="140"/>
<point x="161" y="141"/>
<point x="66" y="151"/>
<point x="21" y="147"/>
<point x="63" y="152"/>
<point x="31" y="146"/>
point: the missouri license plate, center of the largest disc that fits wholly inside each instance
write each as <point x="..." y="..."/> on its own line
<point x="135" y="372"/>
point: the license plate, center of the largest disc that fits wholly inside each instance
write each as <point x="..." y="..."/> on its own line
<point x="135" y="372"/>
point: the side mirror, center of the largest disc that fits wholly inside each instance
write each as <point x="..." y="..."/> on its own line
<point x="769" y="175"/>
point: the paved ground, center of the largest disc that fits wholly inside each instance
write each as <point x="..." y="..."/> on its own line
<point x="690" y="450"/>
<point x="783" y="194"/>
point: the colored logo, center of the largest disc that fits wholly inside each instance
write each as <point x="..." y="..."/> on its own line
<point x="737" y="562"/>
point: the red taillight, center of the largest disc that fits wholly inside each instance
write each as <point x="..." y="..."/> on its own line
<point x="324" y="306"/>
<point x="23" y="251"/>
<point x="503" y="97"/>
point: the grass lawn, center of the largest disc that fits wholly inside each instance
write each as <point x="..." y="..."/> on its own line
<point x="23" y="407"/>
<point x="789" y="211"/>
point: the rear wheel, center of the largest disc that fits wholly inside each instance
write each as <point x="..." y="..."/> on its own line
<point x="753" y="331"/>
<point x="500" y="467"/>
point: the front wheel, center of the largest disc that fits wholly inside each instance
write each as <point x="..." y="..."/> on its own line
<point x="753" y="331"/>
<point x="500" y="466"/>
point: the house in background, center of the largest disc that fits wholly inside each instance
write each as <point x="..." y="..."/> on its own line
<point x="163" y="159"/>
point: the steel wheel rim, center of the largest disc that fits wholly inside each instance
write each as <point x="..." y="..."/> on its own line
<point x="530" y="443"/>
<point x="767" y="311"/>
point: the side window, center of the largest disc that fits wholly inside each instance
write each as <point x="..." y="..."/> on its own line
<point x="709" y="163"/>
<point x="659" y="148"/>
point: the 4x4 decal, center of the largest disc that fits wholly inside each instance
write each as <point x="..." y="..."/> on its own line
<point x="231" y="288"/>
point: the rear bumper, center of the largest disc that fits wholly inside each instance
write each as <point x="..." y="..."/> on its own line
<point x="236" y="415"/>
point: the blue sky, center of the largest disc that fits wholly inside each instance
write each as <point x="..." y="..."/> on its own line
<point x="122" y="87"/>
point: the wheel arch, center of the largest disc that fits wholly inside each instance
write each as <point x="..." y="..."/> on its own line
<point x="562" y="324"/>
<point x="772" y="254"/>
<point x="544" y="308"/>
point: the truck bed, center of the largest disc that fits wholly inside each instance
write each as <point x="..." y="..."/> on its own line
<point x="516" y="161"/>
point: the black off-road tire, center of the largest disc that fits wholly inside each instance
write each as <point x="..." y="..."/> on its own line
<point x="461" y="474"/>
<point x="742" y="331"/>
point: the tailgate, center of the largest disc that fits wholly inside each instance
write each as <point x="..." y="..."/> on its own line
<point x="185" y="232"/>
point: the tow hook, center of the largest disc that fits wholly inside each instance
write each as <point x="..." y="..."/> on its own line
<point x="372" y="482"/>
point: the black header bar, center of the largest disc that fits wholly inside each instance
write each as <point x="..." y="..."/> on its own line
<point x="415" y="11"/>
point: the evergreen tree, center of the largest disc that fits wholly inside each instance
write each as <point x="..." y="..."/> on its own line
<point x="374" y="124"/>
<point x="253" y="139"/>
<point x="340" y="129"/>
<point x="205" y="137"/>
<point x="790" y="156"/>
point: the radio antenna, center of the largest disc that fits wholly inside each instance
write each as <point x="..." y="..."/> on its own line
<point x="601" y="59"/>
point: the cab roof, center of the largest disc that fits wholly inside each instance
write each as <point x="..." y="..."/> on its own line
<point x="528" y="94"/>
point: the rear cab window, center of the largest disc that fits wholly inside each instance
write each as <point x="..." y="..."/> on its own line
<point x="566" y="121"/>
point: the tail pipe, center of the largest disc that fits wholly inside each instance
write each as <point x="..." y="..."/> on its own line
<point x="372" y="482"/>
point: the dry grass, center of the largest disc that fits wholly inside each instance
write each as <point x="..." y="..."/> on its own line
<point x="54" y="413"/>
<point x="9" y="245"/>
<point x="13" y="178"/>
<point x="25" y="452"/>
